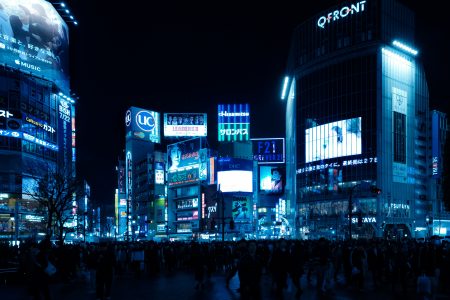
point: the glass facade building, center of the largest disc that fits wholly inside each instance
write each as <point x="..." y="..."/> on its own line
<point x="37" y="115"/>
<point x="357" y="115"/>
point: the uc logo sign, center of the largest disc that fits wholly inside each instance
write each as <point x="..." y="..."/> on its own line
<point x="128" y="118"/>
<point x="145" y="120"/>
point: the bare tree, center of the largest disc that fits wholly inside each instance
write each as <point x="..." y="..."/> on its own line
<point x="55" y="191"/>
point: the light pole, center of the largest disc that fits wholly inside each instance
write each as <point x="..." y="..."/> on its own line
<point x="350" y="209"/>
<point x="222" y="212"/>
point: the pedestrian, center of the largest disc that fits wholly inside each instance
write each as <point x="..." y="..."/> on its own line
<point x="105" y="270"/>
<point x="38" y="263"/>
<point x="297" y="265"/>
<point x="199" y="265"/>
<point x="280" y="266"/>
<point x="423" y="286"/>
<point x="250" y="271"/>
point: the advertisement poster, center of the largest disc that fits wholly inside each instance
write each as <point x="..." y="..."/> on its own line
<point x="183" y="154"/>
<point x="34" y="38"/>
<point x="269" y="150"/>
<point x="241" y="209"/>
<point x="233" y="122"/>
<point x="271" y="179"/>
<point x="186" y="124"/>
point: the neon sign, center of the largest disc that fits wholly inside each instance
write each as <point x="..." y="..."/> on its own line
<point x="5" y="114"/>
<point x="341" y="13"/>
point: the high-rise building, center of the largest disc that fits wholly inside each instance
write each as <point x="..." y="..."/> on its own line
<point x="37" y="112"/>
<point x="142" y="134"/>
<point x="357" y="116"/>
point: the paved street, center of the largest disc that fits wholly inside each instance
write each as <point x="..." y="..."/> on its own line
<point x="181" y="286"/>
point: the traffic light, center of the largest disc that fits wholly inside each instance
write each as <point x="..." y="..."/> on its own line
<point x="375" y="190"/>
<point x="231" y="225"/>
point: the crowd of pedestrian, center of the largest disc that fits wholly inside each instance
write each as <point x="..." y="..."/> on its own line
<point x="360" y="265"/>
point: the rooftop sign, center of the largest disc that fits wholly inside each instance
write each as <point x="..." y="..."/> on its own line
<point x="341" y="13"/>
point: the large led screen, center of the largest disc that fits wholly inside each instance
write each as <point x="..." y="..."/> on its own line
<point x="177" y="125"/>
<point x="34" y="38"/>
<point x="183" y="154"/>
<point x="235" y="181"/>
<point x="142" y="124"/>
<point x="233" y="122"/>
<point x="336" y="139"/>
<point x="271" y="179"/>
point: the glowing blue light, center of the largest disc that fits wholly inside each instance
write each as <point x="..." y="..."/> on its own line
<point x="76" y="23"/>
<point x="286" y="81"/>
<point x="63" y="4"/>
<point x="67" y="11"/>
<point x="71" y="17"/>
<point x="396" y="56"/>
<point x="405" y="47"/>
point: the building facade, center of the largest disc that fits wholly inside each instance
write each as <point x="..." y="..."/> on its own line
<point x="357" y="116"/>
<point x="37" y="114"/>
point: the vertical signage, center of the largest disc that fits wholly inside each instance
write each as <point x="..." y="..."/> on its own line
<point x="129" y="179"/>
<point x="121" y="178"/>
<point x="159" y="173"/>
<point x="399" y="107"/>
<point x="435" y="146"/>
<point x="64" y="134"/>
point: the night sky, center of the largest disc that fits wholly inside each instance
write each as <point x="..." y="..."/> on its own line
<point x="187" y="57"/>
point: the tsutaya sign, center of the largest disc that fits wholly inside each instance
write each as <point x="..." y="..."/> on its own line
<point x="341" y="13"/>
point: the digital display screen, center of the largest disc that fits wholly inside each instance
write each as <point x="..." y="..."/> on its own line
<point x="233" y="122"/>
<point x="235" y="181"/>
<point x="336" y="139"/>
<point x="189" y="124"/>
<point x="34" y="38"/>
<point x="271" y="179"/>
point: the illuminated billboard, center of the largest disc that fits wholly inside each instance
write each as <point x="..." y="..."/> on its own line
<point x="183" y="154"/>
<point x="233" y="122"/>
<point x="235" y="181"/>
<point x="177" y="125"/>
<point x="268" y="150"/>
<point x="142" y="124"/>
<point x="336" y="139"/>
<point x="241" y="209"/>
<point x="34" y="38"/>
<point x="159" y="173"/>
<point x="271" y="179"/>
<point x="182" y="177"/>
